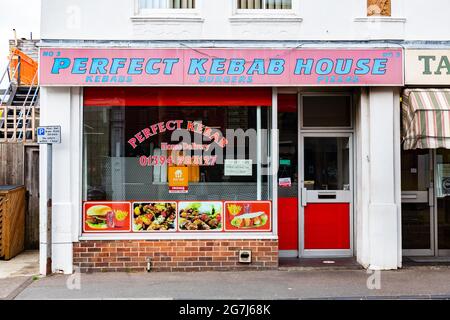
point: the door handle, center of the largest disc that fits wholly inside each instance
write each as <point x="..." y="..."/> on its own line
<point x="326" y="196"/>
<point x="303" y="197"/>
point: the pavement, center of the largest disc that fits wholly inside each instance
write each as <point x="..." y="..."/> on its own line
<point x="408" y="283"/>
<point x="17" y="273"/>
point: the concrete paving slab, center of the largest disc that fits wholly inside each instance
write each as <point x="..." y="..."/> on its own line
<point x="11" y="287"/>
<point x="322" y="284"/>
<point x="25" y="264"/>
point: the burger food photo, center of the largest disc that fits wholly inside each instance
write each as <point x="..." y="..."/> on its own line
<point x="96" y="216"/>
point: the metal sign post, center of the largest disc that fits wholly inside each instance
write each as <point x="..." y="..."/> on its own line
<point x="49" y="135"/>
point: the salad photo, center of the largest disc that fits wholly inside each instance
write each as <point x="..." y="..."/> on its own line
<point x="248" y="216"/>
<point x="154" y="216"/>
<point x="200" y="216"/>
<point x="106" y="216"/>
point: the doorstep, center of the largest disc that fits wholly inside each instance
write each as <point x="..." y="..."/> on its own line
<point x="296" y="264"/>
<point x="426" y="262"/>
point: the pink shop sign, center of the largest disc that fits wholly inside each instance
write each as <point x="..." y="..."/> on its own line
<point x="221" y="67"/>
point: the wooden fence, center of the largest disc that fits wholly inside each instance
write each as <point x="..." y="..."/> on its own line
<point x="19" y="165"/>
<point x="2" y="202"/>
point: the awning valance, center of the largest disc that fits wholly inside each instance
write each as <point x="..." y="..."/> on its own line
<point x="426" y="118"/>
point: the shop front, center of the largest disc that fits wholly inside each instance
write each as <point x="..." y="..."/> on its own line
<point x="216" y="159"/>
<point x="426" y="155"/>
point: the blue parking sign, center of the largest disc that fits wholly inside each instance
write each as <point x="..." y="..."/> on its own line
<point x="49" y="135"/>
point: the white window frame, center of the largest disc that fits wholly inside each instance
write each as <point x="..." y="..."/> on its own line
<point x="167" y="15"/>
<point x="266" y="15"/>
<point x="167" y="11"/>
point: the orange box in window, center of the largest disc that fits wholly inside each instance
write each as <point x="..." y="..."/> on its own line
<point x="178" y="179"/>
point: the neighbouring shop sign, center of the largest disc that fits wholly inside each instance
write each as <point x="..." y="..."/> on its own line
<point x="443" y="180"/>
<point x="220" y="67"/>
<point x="427" y="67"/>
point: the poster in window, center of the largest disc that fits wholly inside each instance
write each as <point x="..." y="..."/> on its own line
<point x="443" y="180"/>
<point x="247" y="216"/>
<point x="200" y="216"/>
<point x="106" y="217"/>
<point x="178" y="179"/>
<point x="154" y="216"/>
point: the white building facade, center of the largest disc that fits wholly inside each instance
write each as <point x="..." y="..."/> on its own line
<point x="320" y="84"/>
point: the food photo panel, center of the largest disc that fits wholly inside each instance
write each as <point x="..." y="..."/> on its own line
<point x="106" y="217"/>
<point x="154" y="216"/>
<point x="247" y="216"/>
<point x="197" y="216"/>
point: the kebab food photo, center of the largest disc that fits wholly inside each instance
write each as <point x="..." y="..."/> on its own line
<point x="200" y="216"/>
<point x="155" y="216"/>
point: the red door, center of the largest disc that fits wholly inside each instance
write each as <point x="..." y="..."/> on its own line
<point x="326" y="194"/>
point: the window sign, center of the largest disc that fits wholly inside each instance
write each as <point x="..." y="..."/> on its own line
<point x="178" y="179"/>
<point x="285" y="182"/>
<point x="443" y="180"/>
<point x="238" y="167"/>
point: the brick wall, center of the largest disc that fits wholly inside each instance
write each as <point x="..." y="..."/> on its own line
<point x="173" y="255"/>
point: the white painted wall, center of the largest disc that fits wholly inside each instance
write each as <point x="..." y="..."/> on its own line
<point x="378" y="179"/>
<point x="217" y="19"/>
<point x="60" y="106"/>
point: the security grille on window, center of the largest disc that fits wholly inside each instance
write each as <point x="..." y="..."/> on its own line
<point x="379" y="8"/>
<point x="167" y="4"/>
<point x="264" y="4"/>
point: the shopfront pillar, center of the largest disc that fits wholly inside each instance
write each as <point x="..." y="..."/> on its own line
<point x="378" y="218"/>
<point x="57" y="109"/>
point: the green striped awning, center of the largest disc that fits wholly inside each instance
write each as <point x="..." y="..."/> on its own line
<point x="426" y="118"/>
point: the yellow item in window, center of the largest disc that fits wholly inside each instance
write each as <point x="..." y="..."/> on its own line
<point x="194" y="173"/>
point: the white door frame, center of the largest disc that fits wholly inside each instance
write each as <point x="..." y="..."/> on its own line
<point x="423" y="197"/>
<point x="302" y="196"/>
<point x="437" y="252"/>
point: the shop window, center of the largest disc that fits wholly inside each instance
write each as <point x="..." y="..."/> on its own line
<point x="166" y="4"/>
<point x="379" y="8"/>
<point x="326" y="111"/>
<point x="129" y="150"/>
<point x="264" y="4"/>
